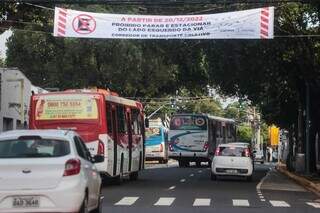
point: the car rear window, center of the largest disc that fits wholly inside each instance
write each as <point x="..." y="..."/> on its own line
<point x="232" y="151"/>
<point x="33" y="148"/>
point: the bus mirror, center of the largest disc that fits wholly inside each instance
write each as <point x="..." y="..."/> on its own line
<point x="146" y="123"/>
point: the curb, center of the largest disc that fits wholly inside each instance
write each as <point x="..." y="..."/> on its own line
<point x="313" y="187"/>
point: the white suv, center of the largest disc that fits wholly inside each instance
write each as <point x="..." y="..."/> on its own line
<point x="47" y="171"/>
<point x="234" y="159"/>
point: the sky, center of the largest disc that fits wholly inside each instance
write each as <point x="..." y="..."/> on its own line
<point x="3" y="38"/>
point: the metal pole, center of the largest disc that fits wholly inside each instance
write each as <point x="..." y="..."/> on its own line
<point x="22" y="101"/>
<point x="307" y="128"/>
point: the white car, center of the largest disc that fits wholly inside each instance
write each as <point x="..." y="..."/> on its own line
<point x="234" y="159"/>
<point x="258" y="156"/>
<point x="47" y="171"/>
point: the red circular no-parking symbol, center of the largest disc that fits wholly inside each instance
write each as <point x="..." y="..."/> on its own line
<point x="84" y="24"/>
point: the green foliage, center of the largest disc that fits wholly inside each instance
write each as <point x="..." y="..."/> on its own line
<point x="244" y="133"/>
<point x="269" y="73"/>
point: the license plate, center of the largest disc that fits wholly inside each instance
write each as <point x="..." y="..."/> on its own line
<point x="231" y="171"/>
<point x="26" y="202"/>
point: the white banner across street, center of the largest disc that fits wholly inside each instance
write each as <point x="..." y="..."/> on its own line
<point x="246" y="24"/>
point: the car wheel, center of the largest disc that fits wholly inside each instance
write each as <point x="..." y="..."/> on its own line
<point x="133" y="176"/>
<point x="213" y="176"/>
<point x="84" y="206"/>
<point x="261" y="162"/>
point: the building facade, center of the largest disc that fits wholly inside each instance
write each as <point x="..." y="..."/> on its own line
<point x="15" y="93"/>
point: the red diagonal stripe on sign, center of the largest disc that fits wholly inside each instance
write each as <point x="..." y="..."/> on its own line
<point x="265" y="13"/>
<point x="263" y="19"/>
<point x="60" y="24"/>
<point x="62" y="13"/>
<point x="266" y="8"/>
<point x="63" y="9"/>
<point x="263" y="37"/>
<point x="264" y="26"/>
<point x="263" y="32"/>
<point x="61" y="31"/>
<point x="62" y="19"/>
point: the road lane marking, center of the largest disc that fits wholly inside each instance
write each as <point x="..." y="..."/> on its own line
<point x="315" y="205"/>
<point x="191" y="175"/>
<point x="258" y="187"/>
<point x="183" y="180"/>
<point x="279" y="203"/>
<point x="172" y="187"/>
<point x="127" y="201"/>
<point x="263" y="200"/>
<point x="202" y="202"/>
<point x="165" y="201"/>
<point x="261" y="197"/>
<point x="200" y="171"/>
<point x="240" y="203"/>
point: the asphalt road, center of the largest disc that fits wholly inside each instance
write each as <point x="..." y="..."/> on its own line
<point x="167" y="188"/>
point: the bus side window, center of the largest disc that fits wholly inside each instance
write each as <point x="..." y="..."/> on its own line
<point x="109" y="118"/>
<point x="122" y="127"/>
<point x="135" y="121"/>
<point x="218" y="129"/>
<point x="228" y="130"/>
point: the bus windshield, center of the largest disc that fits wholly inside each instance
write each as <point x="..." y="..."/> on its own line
<point x="188" y="122"/>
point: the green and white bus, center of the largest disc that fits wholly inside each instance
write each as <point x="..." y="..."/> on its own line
<point x="194" y="137"/>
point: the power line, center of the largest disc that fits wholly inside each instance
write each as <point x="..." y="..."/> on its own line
<point x="39" y="6"/>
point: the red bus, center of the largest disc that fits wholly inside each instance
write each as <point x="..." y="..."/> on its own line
<point x="109" y="125"/>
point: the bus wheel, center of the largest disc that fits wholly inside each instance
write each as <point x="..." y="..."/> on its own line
<point x="118" y="179"/>
<point x="198" y="163"/>
<point x="133" y="176"/>
<point x="213" y="176"/>
<point x="181" y="163"/>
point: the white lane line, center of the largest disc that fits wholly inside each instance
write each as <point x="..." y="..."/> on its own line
<point x="165" y="201"/>
<point x="240" y="203"/>
<point x="261" y="197"/>
<point x="202" y="202"/>
<point x="315" y="205"/>
<point x="263" y="200"/>
<point x="183" y="180"/>
<point x="279" y="203"/>
<point x="127" y="201"/>
<point x="191" y="175"/>
<point x="172" y="187"/>
<point x="258" y="187"/>
<point x="200" y="171"/>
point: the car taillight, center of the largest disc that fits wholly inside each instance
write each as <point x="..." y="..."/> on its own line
<point x="217" y="153"/>
<point x="246" y="152"/>
<point x="100" y="148"/>
<point x="72" y="167"/>
<point x="161" y="148"/>
<point x="205" y="147"/>
<point x="171" y="147"/>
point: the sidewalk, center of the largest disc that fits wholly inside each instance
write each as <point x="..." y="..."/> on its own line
<point x="312" y="184"/>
